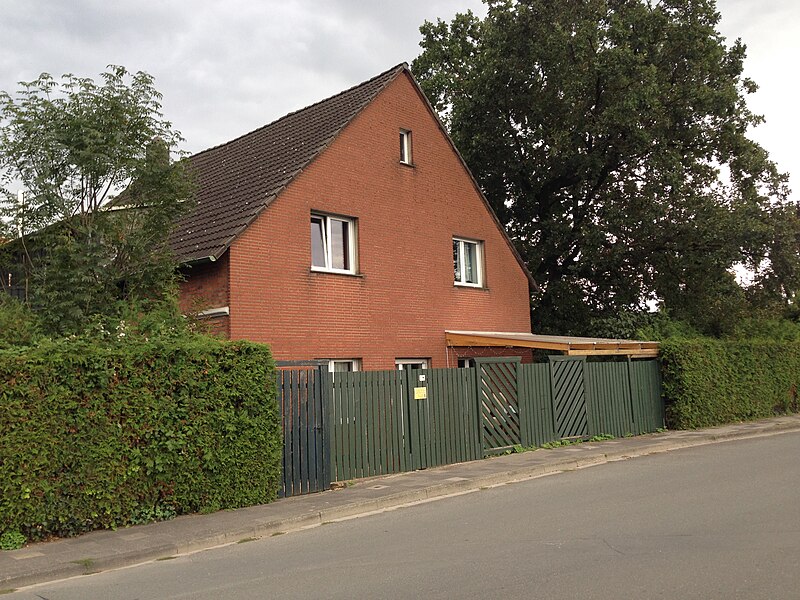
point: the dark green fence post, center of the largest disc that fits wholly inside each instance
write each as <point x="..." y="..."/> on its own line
<point x="525" y="406"/>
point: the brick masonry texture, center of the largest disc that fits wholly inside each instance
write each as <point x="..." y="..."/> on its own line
<point x="402" y="299"/>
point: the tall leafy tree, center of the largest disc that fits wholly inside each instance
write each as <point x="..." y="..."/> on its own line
<point x="100" y="193"/>
<point x="610" y="137"/>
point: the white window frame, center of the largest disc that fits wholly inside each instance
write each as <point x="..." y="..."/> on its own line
<point x="465" y="362"/>
<point x="406" y="157"/>
<point x="354" y="362"/>
<point x="326" y="245"/>
<point x="401" y="363"/>
<point x="462" y="262"/>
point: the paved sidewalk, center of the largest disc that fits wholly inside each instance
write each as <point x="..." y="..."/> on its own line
<point x="103" y="550"/>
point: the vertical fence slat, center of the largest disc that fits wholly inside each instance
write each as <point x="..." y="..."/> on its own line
<point x="402" y="410"/>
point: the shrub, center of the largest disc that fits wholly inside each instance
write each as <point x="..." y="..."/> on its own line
<point x="19" y="326"/>
<point x="711" y="382"/>
<point x="97" y="435"/>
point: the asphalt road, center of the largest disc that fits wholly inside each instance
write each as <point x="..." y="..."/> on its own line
<point x="718" y="521"/>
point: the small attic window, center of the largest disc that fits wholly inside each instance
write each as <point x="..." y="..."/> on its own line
<point x="405" y="146"/>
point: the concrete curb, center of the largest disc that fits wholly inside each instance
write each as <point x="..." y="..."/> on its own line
<point x="160" y="541"/>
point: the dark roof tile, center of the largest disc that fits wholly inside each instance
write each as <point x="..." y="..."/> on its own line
<point x="237" y="180"/>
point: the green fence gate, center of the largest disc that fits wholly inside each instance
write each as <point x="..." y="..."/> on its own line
<point x="386" y="422"/>
<point x="302" y="393"/>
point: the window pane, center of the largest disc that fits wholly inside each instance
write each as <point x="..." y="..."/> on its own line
<point x="409" y="365"/>
<point x="405" y="147"/>
<point x="340" y="244"/>
<point x="317" y="242"/>
<point x="342" y="366"/>
<point x="470" y="262"/>
<point x="457" y="260"/>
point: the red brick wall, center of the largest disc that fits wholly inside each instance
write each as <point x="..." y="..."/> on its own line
<point x="206" y="285"/>
<point x="403" y="299"/>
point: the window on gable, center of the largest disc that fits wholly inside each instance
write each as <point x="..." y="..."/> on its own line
<point x="468" y="262"/>
<point x="405" y="146"/>
<point x="332" y="243"/>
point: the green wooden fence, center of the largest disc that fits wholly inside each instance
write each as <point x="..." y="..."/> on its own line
<point x="384" y="422"/>
<point x="378" y="427"/>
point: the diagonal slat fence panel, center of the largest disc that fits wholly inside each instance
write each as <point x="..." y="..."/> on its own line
<point x="569" y="397"/>
<point x="499" y="390"/>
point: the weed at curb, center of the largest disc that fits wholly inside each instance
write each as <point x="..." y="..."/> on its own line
<point x="602" y="437"/>
<point x="278" y="533"/>
<point x="247" y="539"/>
<point x="166" y="558"/>
<point x="87" y="564"/>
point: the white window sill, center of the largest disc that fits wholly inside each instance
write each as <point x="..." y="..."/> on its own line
<point x="478" y="286"/>
<point x="335" y="272"/>
<point x="210" y="313"/>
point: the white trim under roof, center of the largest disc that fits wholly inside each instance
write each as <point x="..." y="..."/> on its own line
<point x="569" y="345"/>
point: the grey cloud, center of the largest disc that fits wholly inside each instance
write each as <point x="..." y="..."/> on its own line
<point x="226" y="68"/>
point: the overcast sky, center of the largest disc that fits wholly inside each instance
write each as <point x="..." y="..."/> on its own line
<point x="226" y="68"/>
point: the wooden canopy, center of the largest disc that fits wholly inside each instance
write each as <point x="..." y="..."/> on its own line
<point x="571" y="346"/>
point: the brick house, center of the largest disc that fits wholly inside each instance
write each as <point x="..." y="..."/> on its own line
<point x="351" y="231"/>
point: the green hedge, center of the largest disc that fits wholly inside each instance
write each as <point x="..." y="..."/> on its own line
<point x="712" y="382"/>
<point x="94" y="437"/>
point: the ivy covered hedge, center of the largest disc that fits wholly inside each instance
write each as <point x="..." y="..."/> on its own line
<point x="712" y="382"/>
<point x="99" y="437"/>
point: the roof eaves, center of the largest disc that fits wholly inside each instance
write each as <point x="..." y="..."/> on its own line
<point x="394" y="71"/>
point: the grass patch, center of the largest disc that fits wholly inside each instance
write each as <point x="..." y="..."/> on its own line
<point x="86" y="563"/>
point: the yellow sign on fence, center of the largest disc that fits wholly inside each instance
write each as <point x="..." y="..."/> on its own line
<point x="420" y="393"/>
